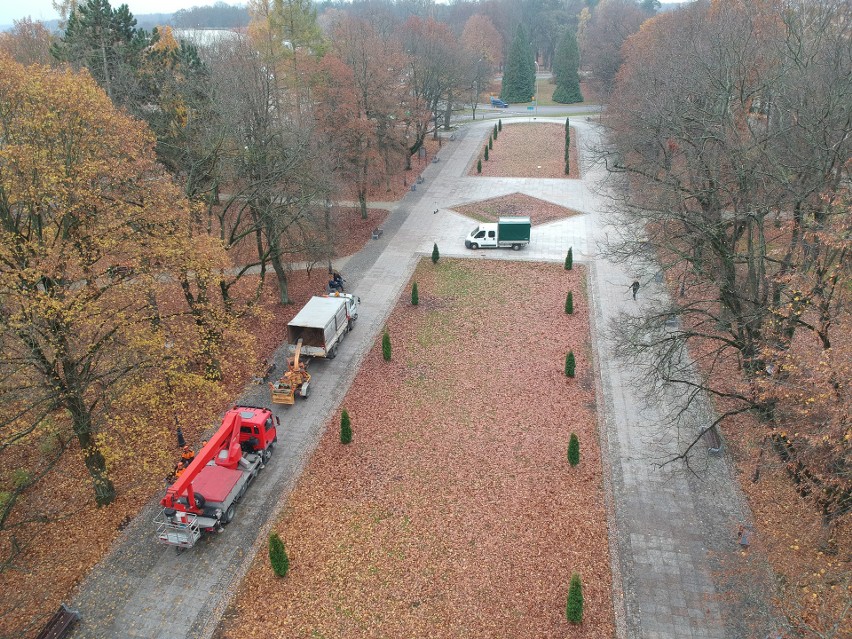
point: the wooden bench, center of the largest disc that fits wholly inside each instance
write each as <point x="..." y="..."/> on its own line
<point x="60" y="623"/>
<point x="266" y="367"/>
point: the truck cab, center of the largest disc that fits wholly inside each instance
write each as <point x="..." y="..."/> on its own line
<point x="483" y="236"/>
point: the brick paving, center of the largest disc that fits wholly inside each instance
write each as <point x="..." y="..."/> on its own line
<point x="669" y="531"/>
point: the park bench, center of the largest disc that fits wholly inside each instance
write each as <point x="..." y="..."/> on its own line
<point x="60" y="623"/>
<point x="265" y="370"/>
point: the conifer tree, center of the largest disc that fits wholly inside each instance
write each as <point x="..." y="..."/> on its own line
<point x="574" y="608"/>
<point x="415" y="295"/>
<point x="574" y="450"/>
<point x="278" y="556"/>
<point x="569" y="259"/>
<point x="346" y="425"/>
<point x="566" y="63"/>
<point x="386" y="346"/>
<point x="435" y="254"/>
<point x="570" y="364"/>
<point x="569" y="303"/>
<point x="519" y="72"/>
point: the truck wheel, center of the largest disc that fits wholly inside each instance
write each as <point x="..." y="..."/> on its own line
<point x="474" y="245"/>
<point x="265" y="454"/>
<point x="229" y="514"/>
<point x="350" y="325"/>
<point x="516" y="247"/>
<point x="199" y="500"/>
<point x="333" y="352"/>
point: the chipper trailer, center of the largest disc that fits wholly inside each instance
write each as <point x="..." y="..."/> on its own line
<point x="295" y="381"/>
<point x="205" y="496"/>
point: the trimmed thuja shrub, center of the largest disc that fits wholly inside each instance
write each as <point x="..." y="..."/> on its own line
<point x="569" y="259"/>
<point x="435" y="255"/>
<point x="500" y="124"/>
<point x="386" y="346"/>
<point x="569" y="303"/>
<point x="495" y="132"/>
<point x="479" y="165"/>
<point x="278" y="556"/>
<point x="490" y="142"/>
<point x="574" y="450"/>
<point x="570" y="364"/>
<point x="346" y="425"/>
<point x="486" y="153"/>
<point x="415" y="295"/>
<point x="574" y="609"/>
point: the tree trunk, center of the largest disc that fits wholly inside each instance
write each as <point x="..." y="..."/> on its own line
<point x="362" y="202"/>
<point x="280" y="274"/>
<point x="94" y="460"/>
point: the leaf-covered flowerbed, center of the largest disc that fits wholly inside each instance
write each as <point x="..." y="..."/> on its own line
<point x="539" y="211"/>
<point x="454" y="511"/>
<point x="511" y="154"/>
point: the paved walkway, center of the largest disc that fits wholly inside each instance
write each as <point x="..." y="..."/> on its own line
<point x="668" y="531"/>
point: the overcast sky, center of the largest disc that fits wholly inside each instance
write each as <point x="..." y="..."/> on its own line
<point x="43" y="9"/>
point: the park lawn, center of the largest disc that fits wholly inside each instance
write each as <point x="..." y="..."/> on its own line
<point x="453" y="512"/>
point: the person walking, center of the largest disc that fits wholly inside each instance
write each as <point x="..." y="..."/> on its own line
<point x="635" y="288"/>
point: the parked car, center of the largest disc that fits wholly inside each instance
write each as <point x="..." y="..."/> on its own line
<point x="497" y="102"/>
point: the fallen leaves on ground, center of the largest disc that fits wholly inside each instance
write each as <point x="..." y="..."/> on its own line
<point x="454" y="511"/>
<point x="511" y="155"/>
<point x="539" y="211"/>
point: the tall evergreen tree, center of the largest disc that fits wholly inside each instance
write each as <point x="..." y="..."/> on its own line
<point x="519" y="73"/>
<point x="107" y="43"/>
<point x="566" y="63"/>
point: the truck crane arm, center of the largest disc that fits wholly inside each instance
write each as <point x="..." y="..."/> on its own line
<point x="227" y="438"/>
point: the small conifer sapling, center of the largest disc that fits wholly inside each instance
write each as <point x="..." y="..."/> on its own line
<point x="435" y="254"/>
<point x="570" y="364"/>
<point x="345" y="427"/>
<point x="574" y="450"/>
<point x="415" y="295"/>
<point x="386" y="346"/>
<point x="574" y="609"/>
<point x="278" y="555"/>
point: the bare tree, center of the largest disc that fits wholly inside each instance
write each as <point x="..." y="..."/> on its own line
<point x="732" y="129"/>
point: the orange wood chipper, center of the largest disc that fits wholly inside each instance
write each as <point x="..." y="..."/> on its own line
<point x="294" y="381"/>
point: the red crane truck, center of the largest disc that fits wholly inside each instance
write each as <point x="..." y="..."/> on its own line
<point x="204" y="497"/>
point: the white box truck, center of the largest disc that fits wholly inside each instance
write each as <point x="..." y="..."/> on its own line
<point x="322" y="323"/>
<point x="507" y="232"/>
